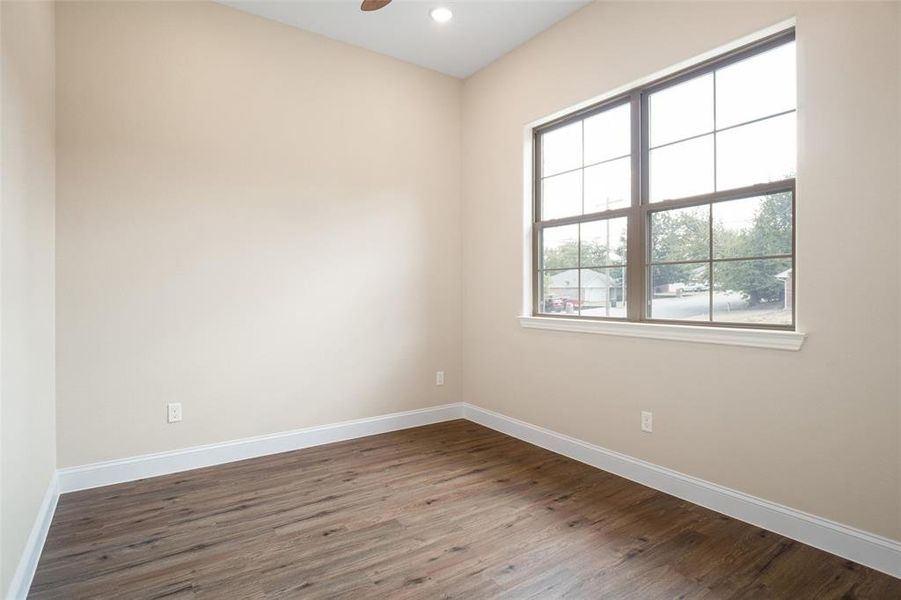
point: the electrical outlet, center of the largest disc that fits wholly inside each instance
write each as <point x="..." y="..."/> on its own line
<point x="439" y="377"/>
<point x="173" y="412"/>
<point x="647" y="421"/>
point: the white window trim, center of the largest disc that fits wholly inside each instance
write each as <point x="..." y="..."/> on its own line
<point x="728" y="336"/>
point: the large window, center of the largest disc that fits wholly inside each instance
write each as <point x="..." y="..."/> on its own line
<point x="674" y="202"/>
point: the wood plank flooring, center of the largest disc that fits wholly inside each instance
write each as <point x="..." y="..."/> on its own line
<point x="452" y="510"/>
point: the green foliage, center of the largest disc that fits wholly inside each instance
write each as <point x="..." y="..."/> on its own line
<point x="770" y="234"/>
<point x="684" y="235"/>
<point x="681" y="234"/>
<point x="566" y="256"/>
<point x="676" y="235"/>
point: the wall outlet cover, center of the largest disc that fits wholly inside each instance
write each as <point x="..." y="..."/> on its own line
<point x="173" y="412"/>
<point x="647" y="421"/>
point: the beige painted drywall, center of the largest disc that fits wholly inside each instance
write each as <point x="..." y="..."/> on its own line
<point x="898" y="167"/>
<point x="817" y="430"/>
<point x="258" y="222"/>
<point x="27" y="425"/>
<point x="265" y="225"/>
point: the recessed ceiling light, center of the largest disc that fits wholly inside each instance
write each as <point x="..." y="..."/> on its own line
<point x="441" y="14"/>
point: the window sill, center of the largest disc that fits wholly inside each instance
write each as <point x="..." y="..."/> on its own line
<point x="729" y="336"/>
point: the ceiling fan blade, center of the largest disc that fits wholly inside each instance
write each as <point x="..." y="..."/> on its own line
<point x="370" y="5"/>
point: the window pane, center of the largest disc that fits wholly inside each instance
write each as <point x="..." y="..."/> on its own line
<point x="680" y="234"/>
<point x="559" y="292"/>
<point x="608" y="186"/>
<point x="604" y="242"/>
<point x="681" y="111"/>
<point x="753" y="227"/>
<point x="756" y="153"/>
<point x="756" y="87"/>
<point x="681" y="170"/>
<point x="680" y="292"/>
<point x="560" y="247"/>
<point x="603" y="293"/>
<point x="561" y="195"/>
<point x="561" y="149"/>
<point x="753" y="291"/>
<point x="608" y="135"/>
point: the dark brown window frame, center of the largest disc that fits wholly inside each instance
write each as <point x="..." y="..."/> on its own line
<point x="638" y="213"/>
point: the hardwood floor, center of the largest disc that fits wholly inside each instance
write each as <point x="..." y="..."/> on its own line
<point x="452" y="510"/>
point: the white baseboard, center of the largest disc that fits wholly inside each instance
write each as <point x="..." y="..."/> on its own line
<point x="34" y="545"/>
<point x="871" y="550"/>
<point x="151" y="465"/>
<point x="867" y="549"/>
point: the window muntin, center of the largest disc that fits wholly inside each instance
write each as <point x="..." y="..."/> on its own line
<point x="761" y="85"/>
<point x="682" y="111"/>
<point x="695" y="176"/>
<point x="682" y="169"/>
<point x="607" y="186"/>
<point x="759" y="152"/>
<point x="607" y="135"/>
<point x="725" y="261"/>
<point x="582" y="268"/>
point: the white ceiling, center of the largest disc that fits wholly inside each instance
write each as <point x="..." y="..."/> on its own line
<point x="480" y="32"/>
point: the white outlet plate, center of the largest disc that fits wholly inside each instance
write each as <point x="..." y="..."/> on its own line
<point x="173" y="412"/>
<point x="439" y="377"/>
<point x="647" y="421"/>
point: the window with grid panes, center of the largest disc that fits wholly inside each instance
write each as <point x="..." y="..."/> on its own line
<point x="674" y="202"/>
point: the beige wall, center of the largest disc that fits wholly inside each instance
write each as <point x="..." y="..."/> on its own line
<point x="265" y="225"/>
<point x="817" y="430"/>
<point x="898" y="171"/>
<point x="256" y="221"/>
<point x="27" y="430"/>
